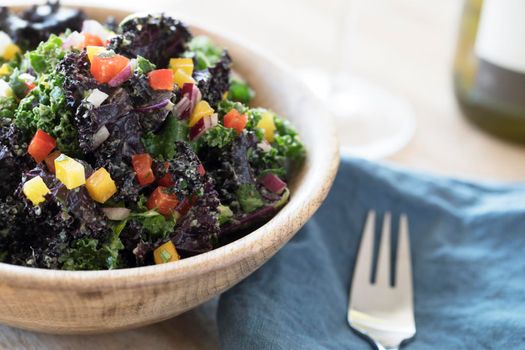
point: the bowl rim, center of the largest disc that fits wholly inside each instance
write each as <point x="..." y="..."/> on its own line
<point x="229" y="254"/>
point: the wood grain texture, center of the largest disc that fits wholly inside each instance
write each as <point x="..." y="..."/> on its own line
<point x="104" y="301"/>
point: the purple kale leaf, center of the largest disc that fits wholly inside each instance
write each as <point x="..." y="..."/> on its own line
<point x="77" y="77"/>
<point x="13" y="158"/>
<point x="157" y="38"/>
<point x="38" y="22"/>
<point x="145" y="100"/>
<point x="214" y="81"/>
<point x="199" y="229"/>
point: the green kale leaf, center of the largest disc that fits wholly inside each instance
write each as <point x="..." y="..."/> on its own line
<point x="45" y="107"/>
<point x="46" y="56"/>
<point x="287" y="141"/>
<point x="249" y="198"/>
<point x="286" y="152"/>
<point x="218" y="136"/>
<point x="89" y="254"/>
<point x="225" y="106"/>
<point x="163" y="144"/>
<point x="8" y="106"/>
<point x="144" y="66"/>
<point x="240" y="92"/>
<point x="225" y="214"/>
<point x="204" y="52"/>
<point x="155" y="224"/>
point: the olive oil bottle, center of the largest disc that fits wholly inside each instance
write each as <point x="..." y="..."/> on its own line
<point x="489" y="69"/>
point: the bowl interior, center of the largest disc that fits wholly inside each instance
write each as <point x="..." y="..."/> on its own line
<point x="277" y="88"/>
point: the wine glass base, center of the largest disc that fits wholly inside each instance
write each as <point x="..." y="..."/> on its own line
<point x="372" y="122"/>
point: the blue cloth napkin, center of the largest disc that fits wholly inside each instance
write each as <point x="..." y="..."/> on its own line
<point x="468" y="251"/>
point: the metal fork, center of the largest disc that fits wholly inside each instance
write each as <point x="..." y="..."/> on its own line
<point x="379" y="311"/>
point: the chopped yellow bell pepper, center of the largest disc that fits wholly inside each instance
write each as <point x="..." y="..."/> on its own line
<point x="70" y="172"/>
<point x="166" y="253"/>
<point x="186" y="64"/>
<point x="101" y="186"/>
<point x="202" y="109"/>
<point x="268" y="125"/>
<point x="93" y="51"/>
<point x="180" y="78"/>
<point x="11" y="51"/>
<point x="5" y="70"/>
<point x="35" y="190"/>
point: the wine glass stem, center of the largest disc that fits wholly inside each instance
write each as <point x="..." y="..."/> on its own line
<point x="346" y="37"/>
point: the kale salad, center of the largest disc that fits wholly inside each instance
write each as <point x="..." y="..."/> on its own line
<point x="128" y="144"/>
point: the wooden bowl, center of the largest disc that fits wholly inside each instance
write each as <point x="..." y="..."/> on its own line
<point x="100" y="301"/>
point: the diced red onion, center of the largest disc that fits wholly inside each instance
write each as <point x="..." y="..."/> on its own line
<point x="196" y="96"/>
<point x="74" y="40"/>
<point x="100" y="136"/>
<point x="197" y="130"/>
<point x="187" y="89"/>
<point x="159" y="105"/>
<point x="264" y="146"/>
<point x="182" y="108"/>
<point x="97" y="97"/>
<point x="94" y="27"/>
<point x="273" y="183"/>
<point x="116" y="214"/>
<point x="121" y="77"/>
<point x="202" y="125"/>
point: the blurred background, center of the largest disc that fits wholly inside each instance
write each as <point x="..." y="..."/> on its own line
<point x="404" y="47"/>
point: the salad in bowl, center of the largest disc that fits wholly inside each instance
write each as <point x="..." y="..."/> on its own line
<point x="129" y="144"/>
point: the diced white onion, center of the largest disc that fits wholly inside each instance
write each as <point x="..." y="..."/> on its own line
<point x="5" y="89"/>
<point x="100" y="136"/>
<point x="210" y="121"/>
<point x="169" y="106"/>
<point x="95" y="28"/>
<point x="97" y="97"/>
<point x="265" y="146"/>
<point x="214" y="119"/>
<point x="5" y="40"/>
<point x="74" y="40"/>
<point x="27" y="77"/>
<point x="116" y="214"/>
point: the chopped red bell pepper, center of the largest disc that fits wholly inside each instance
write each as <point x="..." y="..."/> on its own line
<point x="30" y="85"/>
<point x="106" y="68"/>
<point x="163" y="202"/>
<point x="235" y="120"/>
<point x="41" y="145"/>
<point x="50" y="160"/>
<point x="201" y="170"/>
<point x="161" y="79"/>
<point x="142" y="165"/>
<point x="92" y="40"/>
<point x="167" y="179"/>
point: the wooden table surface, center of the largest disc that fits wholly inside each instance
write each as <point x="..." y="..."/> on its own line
<point x="406" y="46"/>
